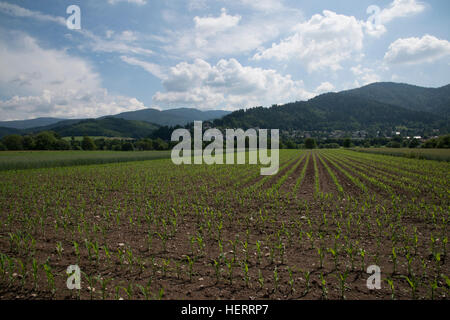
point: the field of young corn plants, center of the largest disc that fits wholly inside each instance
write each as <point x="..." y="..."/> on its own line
<point x="153" y="230"/>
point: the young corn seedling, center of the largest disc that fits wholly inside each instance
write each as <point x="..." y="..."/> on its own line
<point x="321" y="256"/>
<point x="409" y="259"/>
<point x="350" y="251"/>
<point x="362" y="253"/>
<point x="291" y="280"/>
<point x="164" y="238"/>
<point x="217" y="271"/>
<point x="391" y="286"/>
<point x="276" y="279"/>
<point x="281" y="248"/>
<point x="394" y="260"/>
<point x="258" y="252"/>
<point x="91" y="280"/>
<point x="76" y="247"/>
<point x="50" y="278"/>
<point x="59" y="249"/>
<point x="307" y="275"/>
<point x="413" y="284"/>
<point x="260" y="279"/>
<point x="190" y="267"/>
<point x="129" y="291"/>
<point x="246" y="276"/>
<point x="145" y="291"/>
<point x="342" y="279"/>
<point x="323" y="285"/>
<point x="103" y="284"/>
<point x="161" y="293"/>
<point x="23" y="272"/>
<point x="335" y="257"/>
<point x="230" y="265"/>
<point x="433" y="287"/>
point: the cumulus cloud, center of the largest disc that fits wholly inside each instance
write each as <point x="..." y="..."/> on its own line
<point x="228" y="34"/>
<point x="323" y="42"/>
<point x="417" y="50"/>
<point x="46" y="82"/>
<point x="364" y="75"/>
<point x="227" y="84"/>
<point x="212" y="25"/>
<point x="325" y="87"/>
<point x="397" y="9"/>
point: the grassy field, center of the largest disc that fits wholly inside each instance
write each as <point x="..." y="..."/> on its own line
<point x="151" y="230"/>
<point x="429" y="154"/>
<point x="15" y="160"/>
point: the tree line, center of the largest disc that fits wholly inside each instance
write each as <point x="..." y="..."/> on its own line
<point x="49" y="140"/>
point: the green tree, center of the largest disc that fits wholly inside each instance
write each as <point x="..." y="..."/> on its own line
<point x="87" y="143"/>
<point x="414" y="143"/>
<point x="29" y="143"/>
<point x="310" y="143"/>
<point x="13" y="142"/>
<point x="127" y="146"/>
<point x="45" y="141"/>
<point x="62" y="144"/>
<point x="145" y="144"/>
<point x="160" y="144"/>
<point x="347" y="143"/>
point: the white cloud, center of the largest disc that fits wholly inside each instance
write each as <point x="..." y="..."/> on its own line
<point x="228" y="34"/>
<point x="209" y="26"/>
<point x="17" y="11"/>
<point x="323" y="42"/>
<point x="364" y="75"/>
<point x="138" y="2"/>
<point x="46" y="82"/>
<point x="151" y="68"/>
<point x="124" y="42"/>
<point x="325" y="87"/>
<point x="417" y="50"/>
<point x="227" y="84"/>
<point x="397" y="9"/>
<point x="400" y="9"/>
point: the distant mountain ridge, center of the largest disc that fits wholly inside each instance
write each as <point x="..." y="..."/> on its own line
<point x="27" y="124"/>
<point x="434" y="100"/>
<point x="172" y="117"/>
<point x="376" y="107"/>
<point x="330" y="111"/>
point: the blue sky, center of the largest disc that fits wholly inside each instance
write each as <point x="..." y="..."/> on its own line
<point x="210" y="54"/>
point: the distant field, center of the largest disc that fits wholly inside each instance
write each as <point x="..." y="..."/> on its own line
<point x="12" y="160"/>
<point x="429" y="154"/>
<point x="80" y="138"/>
<point x="155" y="230"/>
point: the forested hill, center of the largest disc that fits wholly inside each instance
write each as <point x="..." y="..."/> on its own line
<point x="434" y="100"/>
<point x="333" y="111"/>
<point x="106" y="127"/>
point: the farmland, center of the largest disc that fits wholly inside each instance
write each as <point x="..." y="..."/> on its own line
<point x="44" y="159"/>
<point x="153" y="230"/>
<point x="430" y="154"/>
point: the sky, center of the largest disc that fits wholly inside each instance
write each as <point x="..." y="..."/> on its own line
<point x="210" y="54"/>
